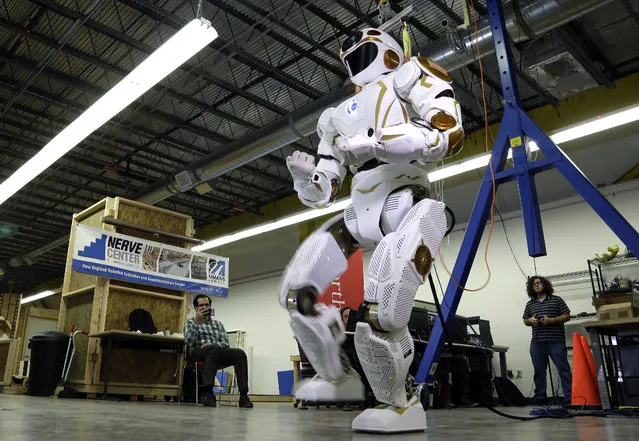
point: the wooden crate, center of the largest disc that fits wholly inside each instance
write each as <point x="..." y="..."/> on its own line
<point x="95" y="304"/>
<point x="7" y="358"/>
<point x="10" y="311"/>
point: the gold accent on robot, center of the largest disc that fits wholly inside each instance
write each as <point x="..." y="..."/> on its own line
<point x="443" y="121"/>
<point x="391" y="59"/>
<point x="387" y="113"/>
<point x="389" y="137"/>
<point x="371" y="316"/>
<point x="334" y="190"/>
<point x="455" y="142"/>
<point x="405" y="114"/>
<point x="424" y="82"/>
<point x="435" y="69"/>
<point x="380" y="97"/>
<point x="423" y="260"/>
<point x="370" y="190"/>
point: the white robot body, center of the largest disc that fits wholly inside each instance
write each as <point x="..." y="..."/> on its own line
<point x="315" y="264"/>
<point x="404" y="115"/>
<point x="401" y="262"/>
<point x="316" y="334"/>
<point x="376" y="195"/>
<point x="375" y="107"/>
<point x="385" y="357"/>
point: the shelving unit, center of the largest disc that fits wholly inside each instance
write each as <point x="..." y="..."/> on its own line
<point x="603" y="273"/>
<point x="98" y="304"/>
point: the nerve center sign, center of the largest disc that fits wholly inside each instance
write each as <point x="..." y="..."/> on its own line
<point x="118" y="256"/>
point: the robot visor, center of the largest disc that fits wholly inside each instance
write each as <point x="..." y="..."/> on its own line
<point x="361" y="57"/>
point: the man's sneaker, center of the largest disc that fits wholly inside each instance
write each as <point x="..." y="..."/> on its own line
<point x="208" y="400"/>
<point x="245" y="402"/>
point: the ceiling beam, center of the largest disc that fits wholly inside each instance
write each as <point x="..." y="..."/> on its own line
<point x="146" y="49"/>
<point x="225" y="48"/>
<point x="338" y="70"/>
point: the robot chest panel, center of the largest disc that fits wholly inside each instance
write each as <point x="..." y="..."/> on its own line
<point x="376" y="106"/>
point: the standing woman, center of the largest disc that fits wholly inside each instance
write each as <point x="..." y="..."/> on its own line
<point x="546" y="313"/>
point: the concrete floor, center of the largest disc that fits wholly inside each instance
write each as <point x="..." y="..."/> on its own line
<point x="25" y="418"/>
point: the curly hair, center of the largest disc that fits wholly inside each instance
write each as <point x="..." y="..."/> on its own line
<point x="548" y="289"/>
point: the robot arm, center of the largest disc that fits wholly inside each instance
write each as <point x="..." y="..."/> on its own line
<point x="438" y="133"/>
<point x="318" y="185"/>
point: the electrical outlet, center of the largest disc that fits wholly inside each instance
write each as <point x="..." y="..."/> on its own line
<point x="520" y="373"/>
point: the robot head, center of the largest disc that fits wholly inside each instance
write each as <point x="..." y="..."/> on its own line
<point x="370" y="53"/>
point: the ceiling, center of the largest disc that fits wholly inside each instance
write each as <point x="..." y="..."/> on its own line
<point x="271" y="58"/>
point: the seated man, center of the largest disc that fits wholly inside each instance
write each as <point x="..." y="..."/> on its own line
<point x="208" y="342"/>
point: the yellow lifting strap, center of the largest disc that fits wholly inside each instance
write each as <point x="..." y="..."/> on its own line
<point x="406" y="41"/>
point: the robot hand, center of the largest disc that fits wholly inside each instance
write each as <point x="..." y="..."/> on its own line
<point x="357" y="148"/>
<point x="301" y="166"/>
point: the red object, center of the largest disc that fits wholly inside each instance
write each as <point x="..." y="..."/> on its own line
<point x="584" y="386"/>
<point x="589" y="357"/>
<point x="347" y="289"/>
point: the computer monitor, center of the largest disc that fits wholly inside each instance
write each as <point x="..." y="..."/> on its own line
<point x="420" y="323"/>
<point x="483" y="331"/>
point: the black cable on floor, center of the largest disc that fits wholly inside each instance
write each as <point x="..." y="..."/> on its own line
<point x="446" y="333"/>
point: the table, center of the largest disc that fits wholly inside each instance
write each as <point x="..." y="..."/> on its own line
<point x="501" y="350"/>
<point x="8" y="349"/>
<point x="599" y="330"/>
<point x="135" y="340"/>
<point x="297" y="364"/>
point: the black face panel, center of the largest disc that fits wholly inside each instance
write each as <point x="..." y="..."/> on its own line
<point x="361" y="58"/>
<point x="351" y="41"/>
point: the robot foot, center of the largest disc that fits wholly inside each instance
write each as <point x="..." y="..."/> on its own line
<point x="389" y="419"/>
<point x="347" y="389"/>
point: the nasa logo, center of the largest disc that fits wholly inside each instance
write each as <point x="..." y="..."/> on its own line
<point x="352" y="108"/>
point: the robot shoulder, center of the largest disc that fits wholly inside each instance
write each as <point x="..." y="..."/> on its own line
<point x="429" y="67"/>
<point x="325" y="123"/>
<point x="407" y="76"/>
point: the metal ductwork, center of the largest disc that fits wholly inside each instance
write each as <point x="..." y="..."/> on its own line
<point x="284" y="131"/>
<point x="525" y="19"/>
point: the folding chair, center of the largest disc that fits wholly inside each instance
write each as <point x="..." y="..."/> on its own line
<point x="229" y="388"/>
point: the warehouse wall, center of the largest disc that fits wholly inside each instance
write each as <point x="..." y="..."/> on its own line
<point x="573" y="234"/>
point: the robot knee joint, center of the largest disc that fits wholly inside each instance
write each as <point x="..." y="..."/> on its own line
<point x="302" y="300"/>
<point x="369" y="313"/>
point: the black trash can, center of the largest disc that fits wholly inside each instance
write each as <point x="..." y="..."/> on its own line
<point x="48" y="350"/>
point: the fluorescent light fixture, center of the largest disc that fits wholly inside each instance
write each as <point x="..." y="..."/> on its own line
<point x="579" y="131"/>
<point x="39" y="296"/>
<point x="588" y="128"/>
<point x="275" y="225"/>
<point x="187" y="42"/>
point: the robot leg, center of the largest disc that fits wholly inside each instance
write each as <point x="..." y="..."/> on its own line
<point x="385" y="348"/>
<point x="318" y="328"/>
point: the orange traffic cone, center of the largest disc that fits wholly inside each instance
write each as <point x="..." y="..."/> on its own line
<point x="591" y="360"/>
<point x="584" y="387"/>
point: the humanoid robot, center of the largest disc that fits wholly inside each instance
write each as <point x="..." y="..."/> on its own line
<point x="403" y="115"/>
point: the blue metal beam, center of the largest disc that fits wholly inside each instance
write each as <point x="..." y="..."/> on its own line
<point x="515" y="127"/>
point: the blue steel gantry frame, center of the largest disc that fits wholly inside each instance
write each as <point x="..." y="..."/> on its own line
<point x="514" y="127"/>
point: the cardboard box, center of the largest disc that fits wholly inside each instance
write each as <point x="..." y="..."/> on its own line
<point x="616" y="311"/>
<point x="610" y="299"/>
